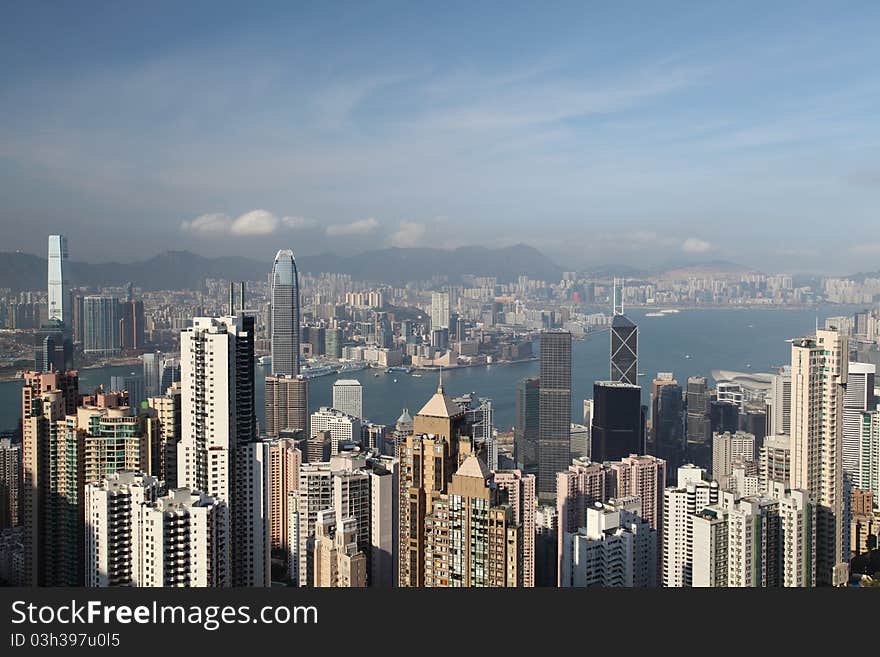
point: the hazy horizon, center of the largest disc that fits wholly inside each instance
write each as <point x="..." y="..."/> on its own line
<point x="637" y="136"/>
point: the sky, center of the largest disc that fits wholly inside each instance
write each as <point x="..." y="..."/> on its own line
<point x="640" y="134"/>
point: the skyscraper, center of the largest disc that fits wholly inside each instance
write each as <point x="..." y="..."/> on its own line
<point x="818" y="383"/>
<point x="285" y="303"/>
<point x="348" y="397"/>
<point x="284" y="463"/>
<point x="681" y="503"/>
<point x="439" y="310"/>
<point x="858" y="399"/>
<point x="10" y="483"/>
<point x="114" y="535"/>
<point x="166" y="409"/>
<point x="218" y="454"/>
<point x="101" y="325"/>
<point x="520" y="490"/>
<point x="554" y="409"/>
<point x="338" y="562"/>
<point x="428" y="458"/>
<point x="287" y="405"/>
<point x="779" y="401"/>
<point x="58" y="301"/>
<point x="52" y="480"/>
<point x="615" y="547"/>
<point x="152" y="373"/>
<point x="624" y="350"/>
<point x="617" y="429"/>
<point x="698" y="425"/>
<point x="667" y="421"/>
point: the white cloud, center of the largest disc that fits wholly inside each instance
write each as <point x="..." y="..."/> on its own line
<point x="298" y="223"/>
<point x="408" y="234"/>
<point x="360" y="227"/>
<point x="695" y="245"/>
<point x="255" y="222"/>
<point x="207" y="224"/>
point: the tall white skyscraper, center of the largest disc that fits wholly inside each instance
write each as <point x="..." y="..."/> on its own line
<point x="182" y="541"/>
<point x="348" y="397"/>
<point x="680" y="505"/>
<point x="285" y="314"/>
<point x="218" y="454"/>
<point x="818" y="381"/>
<point x="113" y="527"/>
<point x="134" y="537"/>
<point x="439" y="310"/>
<point x="57" y="279"/>
<point x="779" y="402"/>
<point x="616" y="547"/>
<point x="858" y="399"/>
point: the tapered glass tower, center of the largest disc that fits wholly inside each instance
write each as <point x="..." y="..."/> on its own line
<point x="58" y="304"/>
<point x="285" y="314"/>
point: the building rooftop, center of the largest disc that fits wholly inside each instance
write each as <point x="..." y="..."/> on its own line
<point x="473" y="466"/>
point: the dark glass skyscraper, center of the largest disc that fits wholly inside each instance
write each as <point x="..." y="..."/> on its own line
<point x="617" y="430"/>
<point x="554" y="430"/>
<point x="699" y="423"/>
<point x="667" y="425"/>
<point x="285" y="314"/>
<point x="527" y="423"/>
<point x="624" y="350"/>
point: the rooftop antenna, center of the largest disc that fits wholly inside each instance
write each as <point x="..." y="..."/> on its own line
<point x="231" y="298"/>
<point x="440" y="385"/>
<point x="241" y="295"/>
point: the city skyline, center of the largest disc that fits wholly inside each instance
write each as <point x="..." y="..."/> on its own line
<point x="668" y="389"/>
<point x="674" y="132"/>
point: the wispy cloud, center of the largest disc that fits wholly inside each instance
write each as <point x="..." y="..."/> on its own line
<point x="408" y="234"/>
<point x="359" y="227"/>
<point x="696" y="245"/>
<point x="253" y="223"/>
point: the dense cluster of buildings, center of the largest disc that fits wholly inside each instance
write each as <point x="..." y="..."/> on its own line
<point x="764" y="480"/>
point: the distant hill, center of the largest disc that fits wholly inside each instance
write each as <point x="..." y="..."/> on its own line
<point x="174" y="270"/>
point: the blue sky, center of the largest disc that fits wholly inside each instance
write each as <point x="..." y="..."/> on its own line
<point x="631" y="133"/>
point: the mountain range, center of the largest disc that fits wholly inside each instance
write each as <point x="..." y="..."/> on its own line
<point x="176" y="270"/>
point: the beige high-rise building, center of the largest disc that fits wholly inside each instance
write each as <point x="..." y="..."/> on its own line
<point x="818" y="382"/>
<point x="774" y="462"/>
<point x="428" y="458"/>
<point x="166" y="410"/>
<point x="287" y="405"/>
<point x="728" y="450"/>
<point x="472" y="539"/>
<point x="284" y="463"/>
<point x="338" y="562"/>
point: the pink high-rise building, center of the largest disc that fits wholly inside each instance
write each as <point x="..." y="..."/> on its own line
<point x="578" y="487"/>
<point x="644" y="476"/>
<point x="522" y="497"/>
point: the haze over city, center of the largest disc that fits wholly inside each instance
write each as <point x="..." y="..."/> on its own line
<point x="637" y="135"/>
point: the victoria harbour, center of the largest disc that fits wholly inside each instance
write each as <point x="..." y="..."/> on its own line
<point x="688" y="343"/>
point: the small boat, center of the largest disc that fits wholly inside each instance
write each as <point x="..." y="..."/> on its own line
<point x="687" y="355"/>
<point x="376" y="375"/>
<point x="395" y="380"/>
<point x="418" y="375"/>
